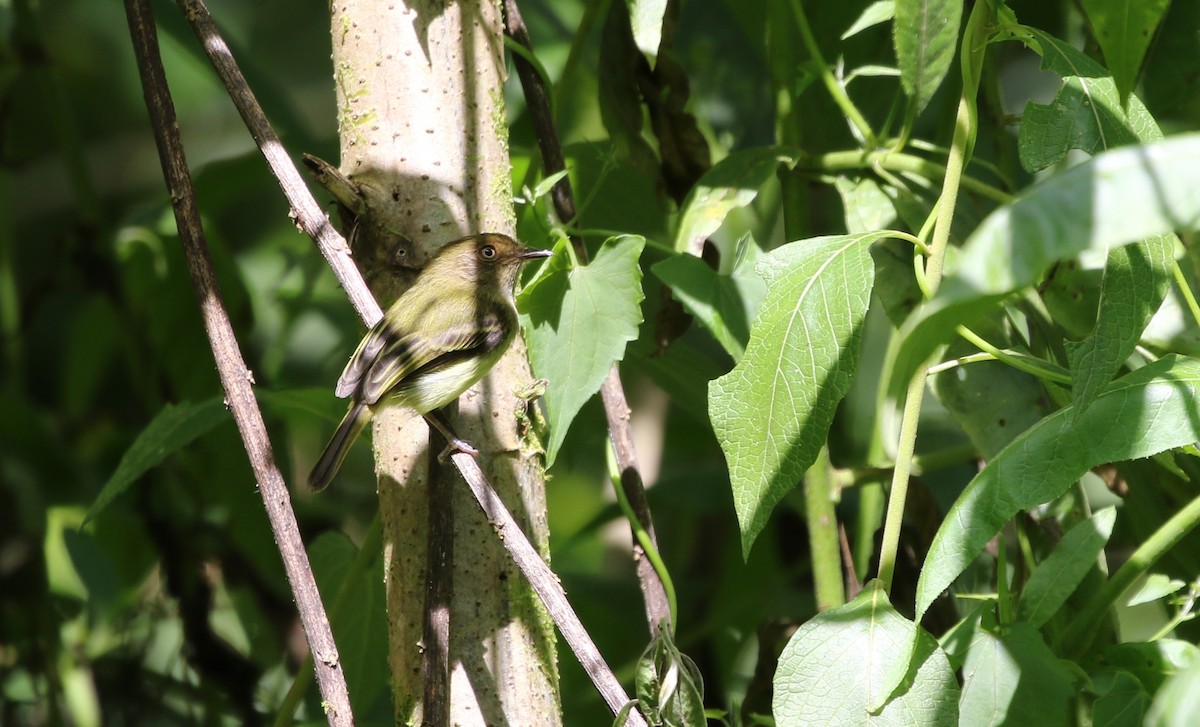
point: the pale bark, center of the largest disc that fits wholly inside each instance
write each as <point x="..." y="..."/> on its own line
<point x="423" y="134"/>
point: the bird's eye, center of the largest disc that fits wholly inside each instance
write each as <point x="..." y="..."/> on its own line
<point x="487" y="252"/>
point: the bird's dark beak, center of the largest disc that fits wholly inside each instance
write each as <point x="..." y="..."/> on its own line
<point x="531" y="253"/>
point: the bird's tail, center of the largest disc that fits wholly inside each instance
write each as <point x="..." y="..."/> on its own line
<point x="331" y="459"/>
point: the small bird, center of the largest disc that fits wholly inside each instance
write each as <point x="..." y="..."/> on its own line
<point x="435" y="342"/>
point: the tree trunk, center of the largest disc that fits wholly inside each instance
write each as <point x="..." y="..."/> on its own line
<point x="423" y="134"/>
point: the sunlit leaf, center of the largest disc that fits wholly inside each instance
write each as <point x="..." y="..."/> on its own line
<point x="877" y="12"/>
<point x="733" y="182"/>
<point x="577" y="322"/>
<point x="772" y="412"/>
<point x="832" y="670"/>
<point x="1013" y="678"/>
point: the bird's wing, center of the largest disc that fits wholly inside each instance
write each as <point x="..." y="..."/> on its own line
<point x="406" y="355"/>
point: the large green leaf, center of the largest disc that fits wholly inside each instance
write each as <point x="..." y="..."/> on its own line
<point x="832" y="670"/>
<point x="733" y="182"/>
<point x="1124" y="29"/>
<point x="1148" y="411"/>
<point x="1059" y="575"/>
<point x="1014" y="679"/>
<point x="772" y="412"/>
<point x="1115" y="198"/>
<point x="925" y="35"/>
<point x="175" y="427"/>
<point x="577" y="322"/>
<point x="724" y="304"/>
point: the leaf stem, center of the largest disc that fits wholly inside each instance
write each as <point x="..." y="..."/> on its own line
<point x="836" y="90"/>
<point x="642" y="536"/>
<point x="1186" y="290"/>
<point x="1077" y="637"/>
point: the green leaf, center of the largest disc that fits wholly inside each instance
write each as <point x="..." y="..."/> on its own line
<point x="1124" y="29"/>
<point x="865" y="206"/>
<point x="1057" y="577"/>
<point x="1152" y="662"/>
<point x="646" y="17"/>
<point x="1155" y="586"/>
<point x="670" y="690"/>
<point x="877" y="12"/>
<point x="772" y="412"/>
<point x="1121" y="701"/>
<point x="1136" y="280"/>
<point x="577" y="322"/>
<point x="1087" y="207"/>
<point x="724" y="304"/>
<point x="925" y="35"/>
<point x="1086" y="113"/>
<point x="831" y="671"/>
<point x="1012" y="679"/>
<point x="733" y="182"/>
<point x="991" y="401"/>
<point x="1178" y="702"/>
<point x="1148" y="411"/>
<point x="175" y="427"/>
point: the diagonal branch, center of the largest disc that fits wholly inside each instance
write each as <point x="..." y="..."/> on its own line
<point x="236" y="379"/>
<point x="612" y="393"/>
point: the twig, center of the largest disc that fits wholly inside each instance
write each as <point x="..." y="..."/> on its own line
<point x="236" y="379"/>
<point x="612" y="393"/>
<point x="312" y="221"/>
<point x="546" y="585"/>
<point x="309" y="216"/>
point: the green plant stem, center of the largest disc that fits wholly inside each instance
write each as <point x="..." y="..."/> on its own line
<point x="1020" y="361"/>
<point x="368" y="553"/>
<point x="895" y="162"/>
<point x="1077" y="637"/>
<point x="821" y="516"/>
<point x="1186" y="291"/>
<point x="973" y="46"/>
<point x="643" y="537"/>
<point x="831" y="84"/>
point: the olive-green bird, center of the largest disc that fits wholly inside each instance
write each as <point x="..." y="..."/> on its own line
<point x="436" y="340"/>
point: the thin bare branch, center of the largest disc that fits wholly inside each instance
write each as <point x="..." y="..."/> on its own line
<point x="309" y="216"/>
<point x="546" y="585"/>
<point x="236" y="379"/>
<point x="612" y="392"/>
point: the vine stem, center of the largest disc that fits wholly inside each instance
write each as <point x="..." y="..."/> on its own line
<point x="973" y="46"/>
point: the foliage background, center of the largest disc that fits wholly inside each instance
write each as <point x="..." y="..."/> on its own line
<point x="170" y="607"/>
